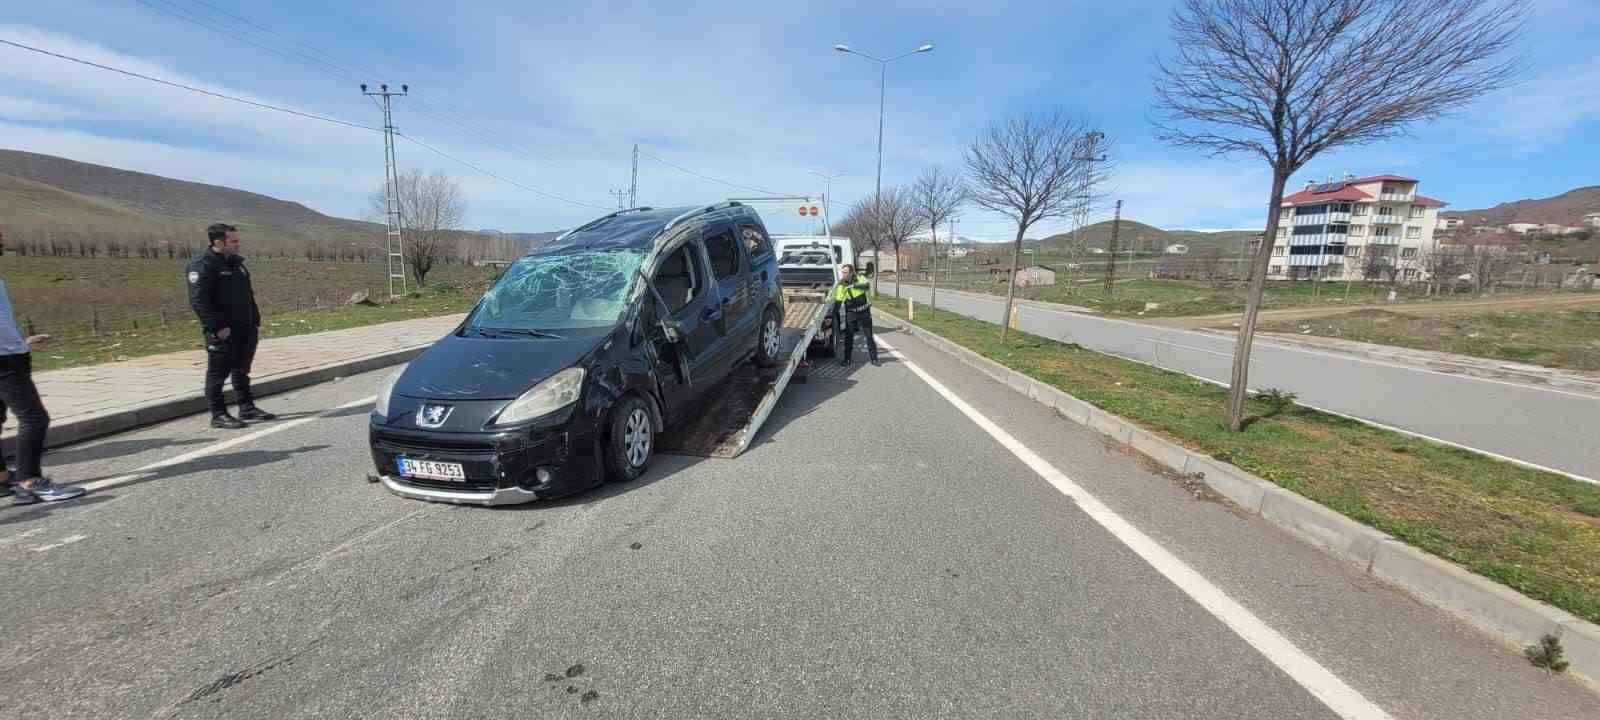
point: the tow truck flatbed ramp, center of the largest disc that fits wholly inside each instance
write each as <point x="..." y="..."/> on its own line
<point x="729" y="418"/>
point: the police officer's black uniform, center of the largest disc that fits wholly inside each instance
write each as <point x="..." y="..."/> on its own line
<point x="221" y="295"/>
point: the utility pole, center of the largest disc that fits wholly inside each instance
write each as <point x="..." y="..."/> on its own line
<point x="633" y="185"/>
<point x="621" y="195"/>
<point x="1111" y="252"/>
<point x="395" y="244"/>
<point x="1089" y="158"/>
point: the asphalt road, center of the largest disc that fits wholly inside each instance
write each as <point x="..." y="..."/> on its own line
<point x="879" y="552"/>
<point x="1547" y="427"/>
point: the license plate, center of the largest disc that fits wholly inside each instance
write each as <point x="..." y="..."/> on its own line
<point x="432" y="470"/>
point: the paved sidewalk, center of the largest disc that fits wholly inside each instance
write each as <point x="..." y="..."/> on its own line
<point x="95" y="400"/>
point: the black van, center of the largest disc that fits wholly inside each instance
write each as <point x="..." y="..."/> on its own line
<point x="580" y="353"/>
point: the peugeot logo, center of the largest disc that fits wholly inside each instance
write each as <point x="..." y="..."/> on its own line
<point x="432" y="416"/>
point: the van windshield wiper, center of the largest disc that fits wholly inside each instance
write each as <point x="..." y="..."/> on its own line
<point x="525" y="332"/>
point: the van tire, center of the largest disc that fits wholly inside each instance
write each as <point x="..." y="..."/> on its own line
<point x="630" y="440"/>
<point x="769" y="338"/>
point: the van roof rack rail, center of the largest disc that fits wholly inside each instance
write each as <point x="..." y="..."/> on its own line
<point x="702" y="210"/>
<point x="601" y="219"/>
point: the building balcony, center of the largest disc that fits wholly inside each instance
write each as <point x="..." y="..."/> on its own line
<point x="1339" y="217"/>
<point x="1391" y="219"/>
<point x="1304" y="220"/>
<point x="1384" y="240"/>
<point x="1397" y="197"/>
<point x="1318" y="239"/>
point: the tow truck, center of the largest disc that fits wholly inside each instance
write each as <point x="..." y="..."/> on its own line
<point x="808" y="270"/>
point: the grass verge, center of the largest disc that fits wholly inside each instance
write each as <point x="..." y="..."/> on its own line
<point x="1552" y="338"/>
<point x="1536" y="532"/>
<point x="111" y="346"/>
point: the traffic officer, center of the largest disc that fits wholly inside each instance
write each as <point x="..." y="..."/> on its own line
<point x="221" y="295"/>
<point x="853" y="292"/>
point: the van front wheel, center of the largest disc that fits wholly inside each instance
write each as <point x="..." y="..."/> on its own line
<point x="631" y="441"/>
<point x="769" y="344"/>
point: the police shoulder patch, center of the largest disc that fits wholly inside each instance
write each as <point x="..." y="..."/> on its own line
<point x="194" y="276"/>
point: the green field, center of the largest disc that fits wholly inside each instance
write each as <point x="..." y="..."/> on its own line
<point x="1536" y="532"/>
<point x="1558" y="338"/>
<point x="128" y="298"/>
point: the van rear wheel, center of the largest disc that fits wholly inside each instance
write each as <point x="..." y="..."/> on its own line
<point x="769" y="343"/>
<point x="631" y="441"/>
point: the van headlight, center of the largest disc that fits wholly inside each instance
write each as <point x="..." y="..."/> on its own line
<point x="556" y="392"/>
<point x="382" y="407"/>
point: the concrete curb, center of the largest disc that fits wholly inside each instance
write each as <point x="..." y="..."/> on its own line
<point x="1509" y="617"/>
<point x="88" y="427"/>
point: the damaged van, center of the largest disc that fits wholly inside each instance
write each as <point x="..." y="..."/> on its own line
<point x="582" y="351"/>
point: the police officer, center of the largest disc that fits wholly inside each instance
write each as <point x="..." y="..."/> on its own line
<point x="220" y="293"/>
<point x="853" y="293"/>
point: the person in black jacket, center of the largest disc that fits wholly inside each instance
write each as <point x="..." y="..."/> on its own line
<point x="221" y="295"/>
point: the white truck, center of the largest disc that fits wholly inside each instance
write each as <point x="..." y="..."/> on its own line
<point x="808" y="268"/>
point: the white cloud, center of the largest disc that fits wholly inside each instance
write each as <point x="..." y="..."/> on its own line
<point x="21" y="109"/>
<point x="1550" y="106"/>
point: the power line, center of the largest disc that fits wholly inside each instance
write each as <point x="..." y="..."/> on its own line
<point x="534" y="190"/>
<point x="181" y="86"/>
<point x="685" y="170"/>
<point x="298" y="113"/>
<point x="326" y="62"/>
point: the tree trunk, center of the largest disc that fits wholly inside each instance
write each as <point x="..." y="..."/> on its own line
<point x="1011" y="285"/>
<point x="1239" y="385"/>
<point x="897" y="274"/>
<point x="933" y="266"/>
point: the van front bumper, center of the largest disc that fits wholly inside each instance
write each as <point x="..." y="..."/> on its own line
<point x="498" y="496"/>
<point x="501" y="468"/>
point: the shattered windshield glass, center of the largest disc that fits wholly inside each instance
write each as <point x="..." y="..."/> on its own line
<point x="585" y="289"/>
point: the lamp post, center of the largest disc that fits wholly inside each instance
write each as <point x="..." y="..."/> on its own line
<point x="883" y="79"/>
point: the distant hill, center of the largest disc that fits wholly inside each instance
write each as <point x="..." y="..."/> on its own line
<point x="1567" y="208"/>
<point x="1147" y="238"/>
<point x="45" y="198"/>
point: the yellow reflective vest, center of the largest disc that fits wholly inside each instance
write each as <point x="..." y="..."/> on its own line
<point x="856" y="295"/>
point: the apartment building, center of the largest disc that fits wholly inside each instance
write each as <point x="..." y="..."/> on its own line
<point x="1355" y="229"/>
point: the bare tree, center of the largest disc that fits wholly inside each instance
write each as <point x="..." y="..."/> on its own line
<point x="431" y="209"/>
<point x="1290" y="79"/>
<point x="896" y="220"/>
<point x="1025" y="168"/>
<point x="860" y="225"/>
<point x="937" y="195"/>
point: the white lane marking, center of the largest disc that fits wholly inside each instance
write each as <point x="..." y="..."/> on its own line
<point x="70" y="539"/>
<point x="219" y="447"/>
<point x="1310" y="674"/>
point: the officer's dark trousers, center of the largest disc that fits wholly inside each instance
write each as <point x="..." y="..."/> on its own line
<point x="860" y="322"/>
<point x="227" y="359"/>
<point x="18" y="393"/>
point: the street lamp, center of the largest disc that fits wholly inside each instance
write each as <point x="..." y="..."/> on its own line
<point x="883" y="77"/>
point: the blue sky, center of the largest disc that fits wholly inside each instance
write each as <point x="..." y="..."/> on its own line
<point x="556" y="94"/>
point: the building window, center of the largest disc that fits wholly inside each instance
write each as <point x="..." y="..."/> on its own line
<point x="1358" y="231"/>
<point x="1276" y="270"/>
<point x="1416" y="211"/>
<point x="1408" y="254"/>
<point x="1342" y="207"/>
<point x="1381" y="231"/>
<point x="1339" y="229"/>
<point x="1283" y="232"/>
<point x="1411" y="273"/>
<point x="1361" y="209"/>
<point x="1277" y="250"/>
<point x="1413" y="232"/>
<point x="1335" y="269"/>
<point x="1352" y="252"/>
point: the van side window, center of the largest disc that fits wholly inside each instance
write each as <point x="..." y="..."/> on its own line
<point x="756" y="244"/>
<point x="678" y="279"/>
<point x="724" y="253"/>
